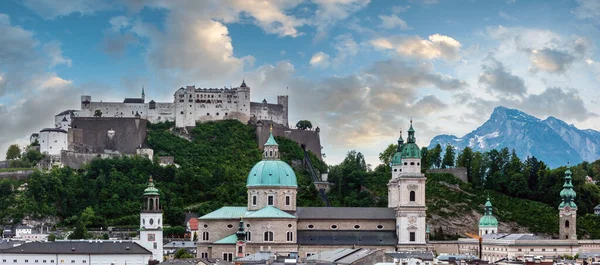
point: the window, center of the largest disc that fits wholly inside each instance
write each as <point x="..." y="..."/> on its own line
<point x="310" y="226"/>
<point x="412" y="196"/>
<point x="205" y="226"/>
<point x="155" y="245"/>
<point x="287" y="200"/>
<point x="204" y="236"/>
<point x="379" y="227"/>
<point x="405" y="163"/>
<point x="72" y="261"/>
<point x="356" y="226"/>
<point x="543" y="249"/>
<point x="519" y="250"/>
<point x="290" y="236"/>
<point x="567" y="223"/>
<point x="240" y="250"/>
<point x="334" y="227"/>
<point x="204" y="255"/>
<point x="3" y="260"/>
<point x="26" y="260"/>
<point x="14" y="260"/>
<point x="254" y="200"/>
<point x="268" y="236"/>
<point x="248" y="236"/>
<point x="412" y="237"/>
<point x="270" y="200"/>
<point x="228" y="256"/>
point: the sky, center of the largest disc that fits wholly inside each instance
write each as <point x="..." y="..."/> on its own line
<point x="358" y="69"/>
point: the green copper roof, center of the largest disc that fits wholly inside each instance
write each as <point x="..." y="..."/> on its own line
<point x="226" y="212"/>
<point x="568" y="194"/>
<point x="151" y="190"/>
<point x="232" y="239"/>
<point x="272" y="173"/>
<point x="269" y="212"/>
<point x="235" y="212"/>
<point x="488" y="219"/>
<point x="411" y="149"/>
<point x="397" y="159"/>
<point x="271" y="140"/>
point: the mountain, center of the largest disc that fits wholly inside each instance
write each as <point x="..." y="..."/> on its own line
<point x="551" y="140"/>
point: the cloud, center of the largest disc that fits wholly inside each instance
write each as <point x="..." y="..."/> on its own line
<point x="587" y="9"/>
<point x="346" y="47"/>
<point x="50" y="9"/>
<point x="119" y="22"/>
<point x="550" y="60"/>
<point x="506" y="16"/>
<point x="436" y="46"/>
<point x="319" y="60"/>
<point x="430" y="104"/>
<point x="115" y="44"/>
<point x="52" y="49"/>
<point x="330" y="12"/>
<point x="409" y="74"/>
<point x="392" y="22"/>
<point x="496" y="78"/>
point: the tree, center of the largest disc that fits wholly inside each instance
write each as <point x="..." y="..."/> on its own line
<point x="304" y="124"/>
<point x="386" y="156"/>
<point x="51" y="237"/>
<point x="13" y="152"/>
<point x="435" y="156"/>
<point x="98" y="113"/>
<point x="465" y="159"/>
<point x="183" y="254"/>
<point x="449" y="156"/>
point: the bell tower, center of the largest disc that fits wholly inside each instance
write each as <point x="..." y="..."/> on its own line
<point x="151" y="235"/>
<point x="568" y="210"/>
<point x="407" y="193"/>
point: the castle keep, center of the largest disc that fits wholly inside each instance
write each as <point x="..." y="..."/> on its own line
<point x="190" y="105"/>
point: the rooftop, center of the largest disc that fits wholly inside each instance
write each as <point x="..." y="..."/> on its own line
<point x="341" y="255"/>
<point x="237" y="212"/>
<point x="343" y="213"/>
<point x="347" y="238"/>
<point x="79" y="247"/>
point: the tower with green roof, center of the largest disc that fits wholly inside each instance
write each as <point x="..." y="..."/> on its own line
<point x="488" y="224"/>
<point x="568" y="210"/>
<point x="151" y="236"/>
<point x="272" y="182"/>
<point x="406" y="193"/>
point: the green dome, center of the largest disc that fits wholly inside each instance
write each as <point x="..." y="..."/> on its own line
<point x="411" y="150"/>
<point x="567" y="193"/>
<point x="151" y="190"/>
<point x="272" y="173"/>
<point x="488" y="221"/>
<point x="397" y="159"/>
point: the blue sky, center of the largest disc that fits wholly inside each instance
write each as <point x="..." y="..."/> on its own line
<point x="358" y="69"/>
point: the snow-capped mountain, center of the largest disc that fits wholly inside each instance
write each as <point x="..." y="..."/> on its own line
<point x="551" y="140"/>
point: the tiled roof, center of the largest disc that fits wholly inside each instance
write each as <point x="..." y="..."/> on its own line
<point x="180" y="244"/>
<point x="347" y="238"/>
<point x="341" y="255"/>
<point x="232" y="239"/>
<point x="422" y="255"/>
<point x="79" y="247"/>
<point x="268" y="212"/>
<point x="133" y="100"/>
<point x="229" y="212"/>
<point x="343" y="213"/>
<point x="193" y="224"/>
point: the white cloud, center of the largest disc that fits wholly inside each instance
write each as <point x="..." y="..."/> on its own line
<point x="119" y="22"/>
<point x="437" y="46"/>
<point x="392" y="22"/>
<point x="587" y="9"/>
<point x="319" y="60"/>
<point x="50" y="9"/>
<point x="330" y="12"/>
<point x="53" y="51"/>
<point x="346" y="47"/>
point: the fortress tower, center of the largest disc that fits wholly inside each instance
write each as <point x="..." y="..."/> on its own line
<point x="283" y="101"/>
<point x="568" y="210"/>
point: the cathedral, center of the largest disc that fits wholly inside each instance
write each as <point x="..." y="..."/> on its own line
<point x="271" y="220"/>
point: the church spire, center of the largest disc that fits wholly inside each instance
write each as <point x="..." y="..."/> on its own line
<point x="271" y="148"/>
<point x="411" y="133"/>
<point x="400" y="142"/>
<point x="568" y="194"/>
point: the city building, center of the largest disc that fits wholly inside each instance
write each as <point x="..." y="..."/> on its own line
<point x="272" y="221"/>
<point x="151" y="216"/>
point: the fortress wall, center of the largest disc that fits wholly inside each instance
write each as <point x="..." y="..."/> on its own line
<point x="310" y="138"/>
<point x="77" y="160"/>
<point x="90" y="134"/>
<point x="458" y="172"/>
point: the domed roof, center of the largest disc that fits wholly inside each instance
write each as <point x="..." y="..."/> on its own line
<point x="151" y="190"/>
<point x="488" y="221"/>
<point x="411" y="149"/>
<point x="397" y="159"/>
<point x="272" y="173"/>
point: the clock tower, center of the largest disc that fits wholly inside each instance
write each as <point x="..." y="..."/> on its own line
<point x="151" y="234"/>
<point x="568" y="210"/>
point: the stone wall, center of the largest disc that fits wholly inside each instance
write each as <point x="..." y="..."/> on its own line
<point x="20" y="175"/>
<point x="310" y="138"/>
<point x="91" y="134"/>
<point x="458" y="172"/>
<point x="77" y="160"/>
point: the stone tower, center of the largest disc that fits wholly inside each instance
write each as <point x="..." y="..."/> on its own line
<point x="488" y="224"/>
<point x="151" y="217"/>
<point x="568" y="210"/>
<point x="240" y="243"/>
<point x="406" y="191"/>
<point x="283" y="101"/>
<point x="143" y="95"/>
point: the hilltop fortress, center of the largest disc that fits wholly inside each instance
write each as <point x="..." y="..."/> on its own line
<point x="190" y="105"/>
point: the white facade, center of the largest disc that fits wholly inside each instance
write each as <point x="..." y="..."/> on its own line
<point x="22" y="230"/>
<point x="52" y="141"/>
<point x="151" y="217"/>
<point x="35" y="237"/>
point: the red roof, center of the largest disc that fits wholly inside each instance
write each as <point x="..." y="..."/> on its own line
<point x="193" y="224"/>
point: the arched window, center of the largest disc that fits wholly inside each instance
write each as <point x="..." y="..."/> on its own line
<point x="205" y="236"/>
<point x="412" y="196"/>
<point x="270" y="153"/>
<point x="486" y="232"/>
<point x="248" y="236"/>
<point x="290" y="236"/>
<point x="240" y="249"/>
<point x="567" y="223"/>
<point x="268" y="236"/>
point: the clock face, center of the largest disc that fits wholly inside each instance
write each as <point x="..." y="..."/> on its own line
<point x="412" y="219"/>
<point x="567" y="209"/>
<point x="151" y="237"/>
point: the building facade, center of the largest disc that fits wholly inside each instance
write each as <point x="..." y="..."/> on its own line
<point x="190" y="105"/>
<point x="272" y="221"/>
<point x="151" y="217"/>
<point x="52" y="141"/>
